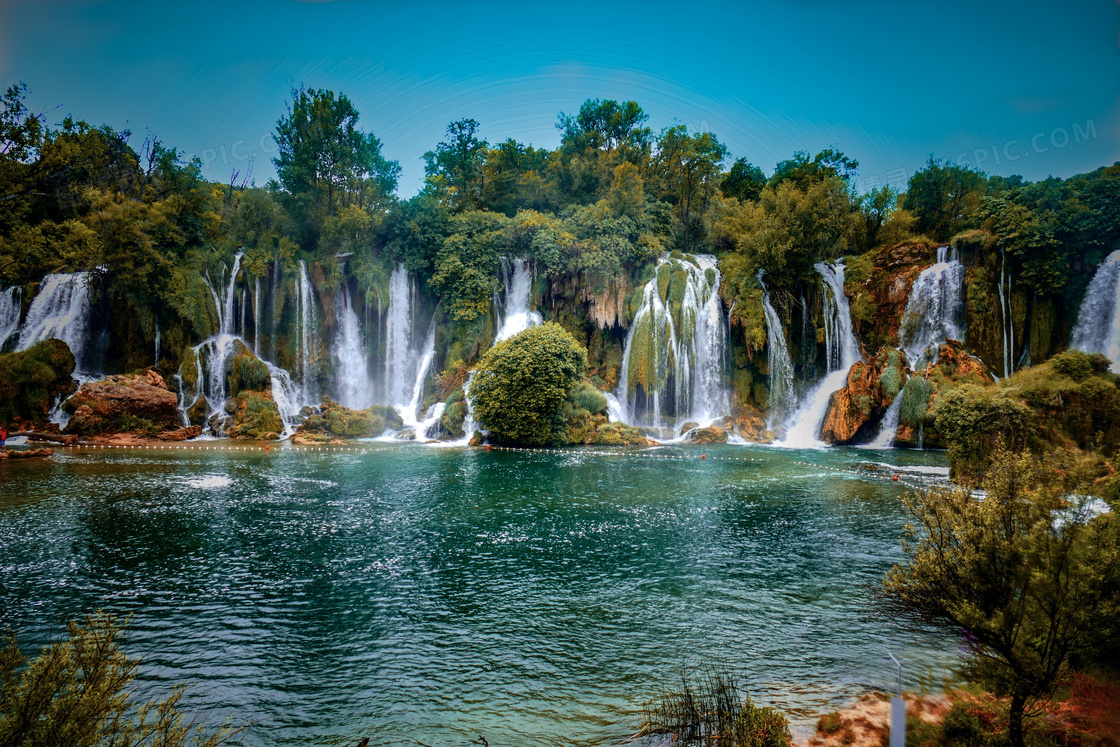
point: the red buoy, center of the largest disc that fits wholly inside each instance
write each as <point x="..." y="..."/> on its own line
<point x="488" y="447"/>
<point x="703" y="456"/>
<point x="266" y="448"/>
<point x="895" y="478"/>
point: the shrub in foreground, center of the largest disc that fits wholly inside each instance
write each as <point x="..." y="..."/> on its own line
<point x="77" y="693"/>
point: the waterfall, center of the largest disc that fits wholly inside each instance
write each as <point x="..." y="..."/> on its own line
<point x="675" y="354"/>
<point x="60" y="310"/>
<point x="518" y="280"/>
<point x="1008" y="331"/>
<point x="10" y="302"/>
<point x="778" y="361"/>
<point x="216" y="352"/>
<point x="841" y="351"/>
<point x="355" y="388"/>
<point x="935" y="310"/>
<point x="1098" y="321"/>
<point x="157" y="343"/>
<point x="257" y="316"/>
<point x="410" y="413"/>
<point x="305" y="298"/>
<point x="888" y="429"/>
<point x="398" y="338"/>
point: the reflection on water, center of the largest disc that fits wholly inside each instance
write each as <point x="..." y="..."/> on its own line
<point x="436" y="594"/>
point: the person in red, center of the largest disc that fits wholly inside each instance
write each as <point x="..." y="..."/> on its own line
<point x="3" y="437"/>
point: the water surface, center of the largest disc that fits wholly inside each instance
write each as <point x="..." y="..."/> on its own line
<point x="431" y="595"/>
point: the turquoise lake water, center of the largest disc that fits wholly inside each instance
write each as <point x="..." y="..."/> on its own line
<point x="417" y="594"/>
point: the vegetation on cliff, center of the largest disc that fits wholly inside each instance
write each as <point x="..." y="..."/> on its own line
<point x="31" y="381"/>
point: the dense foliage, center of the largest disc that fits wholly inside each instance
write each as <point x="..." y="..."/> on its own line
<point x="30" y="381"/>
<point x="521" y="384"/>
<point x="79" y="692"/>
<point x="1030" y="573"/>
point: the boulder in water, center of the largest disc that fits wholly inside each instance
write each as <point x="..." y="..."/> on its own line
<point x="257" y="417"/>
<point x="855" y="411"/>
<point x="141" y="403"/>
<point x="335" y="421"/>
<point x="24" y="454"/>
<point x="713" y="434"/>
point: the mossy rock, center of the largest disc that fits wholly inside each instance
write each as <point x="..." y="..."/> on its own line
<point x="32" y="379"/>
<point x="337" y="421"/>
<point x="618" y="434"/>
<point x="713" y="434"/>
<point x="198" y="412"/>
<point x="257" y="417"/>
<point x="188" y="369"/>
<point x="246" y="372"/>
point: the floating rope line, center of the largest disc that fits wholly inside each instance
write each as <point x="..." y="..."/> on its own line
<point x="908" y="480"/>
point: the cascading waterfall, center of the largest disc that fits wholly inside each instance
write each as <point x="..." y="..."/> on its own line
<point x="935" y="310"/>
<point x="841" y="351"/>
<point x="157" y="345"/>
<point x="399" y="360"/>
<point x="1098" y="321"/>
<point x="675" y="354"/>
<point x="1008" y="331"/>
<point x="216" y="352"/>
<point x="305" y="299"/>
<point x="888" y="428"/>
<point x="518" y="280"/>
<point x="257" y="316"/>
<point x="778" y="361"/>
<point x="10" y="302"/>
<point x="355" y="387"/>
<point x="60" y="310"/>
<point x="410" y="413"/>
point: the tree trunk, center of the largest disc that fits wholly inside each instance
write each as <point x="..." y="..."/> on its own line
<point x="1015" y="720"/>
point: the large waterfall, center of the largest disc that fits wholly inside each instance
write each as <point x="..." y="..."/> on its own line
<point x="517" y="316"/>
<point x="10" y="302"/>
<point x="60" y="310"/>
<point x="935" y="310"/>
<point x="841" y="351"/>
<point x="355" y="387"/>
<point x="778" y="361"/>
<point x="1098" y="321"/>
<point x="674" y="359"/>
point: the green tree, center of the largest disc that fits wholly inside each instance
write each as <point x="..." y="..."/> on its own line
<point x="744" y="182"/>
<point x="455" y="167"/>
<point x="804" y="171"/>
<point x="943" y="197"/>
<point x="325" y="162"/>
<point x="1028" y="572"/>
<point x="520" y="386"/>
<point x="466" y="264"/>
<point x="689" y="169"/>
<point x="77" y="692"/>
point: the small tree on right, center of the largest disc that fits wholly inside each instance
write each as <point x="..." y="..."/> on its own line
<point x="1028" y="571"/>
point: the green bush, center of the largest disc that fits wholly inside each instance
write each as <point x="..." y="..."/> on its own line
<point x="31" y="380"/>
<point x="915" y="401"/>
<point x="520" y="386"/>
<point x="974" y="421"/>
<point x="830" y="723"/>
<point x="1073" y="364"/>
<point x="79" y="692"/>
<point x="962" y="728"/>
<point x="248" y="373"/>
<point x="890" y="381"/>
<point x="585" y="396"/>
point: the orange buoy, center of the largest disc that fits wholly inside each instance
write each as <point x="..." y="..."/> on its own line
<point x="488" y="447"/>
<point x="266" y="448"/>
<point x="895" y="478"/>
<point x="703" y="456"/>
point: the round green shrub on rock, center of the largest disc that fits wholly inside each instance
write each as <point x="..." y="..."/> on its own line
<point x="520" y="386"/>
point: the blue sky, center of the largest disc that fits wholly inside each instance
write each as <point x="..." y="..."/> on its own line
<point x="1027" y="88"/>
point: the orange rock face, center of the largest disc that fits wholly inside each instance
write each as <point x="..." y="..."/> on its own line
<point x="856" y="409"/>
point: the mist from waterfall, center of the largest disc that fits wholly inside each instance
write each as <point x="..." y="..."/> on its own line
<point x="517" y="316"/>
<point x="841" y="351"/>
<point x="935" y="309"/>
<point x="61" y="309"/>
<point x="1098" y="321"/>
<point x="675" y="373"/>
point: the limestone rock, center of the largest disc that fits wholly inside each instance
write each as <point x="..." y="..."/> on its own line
<point x="123" y="403"/>
<point x="25" y="454"/>
<point x="713" y="434"/>
<point x="181" y="434"/>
